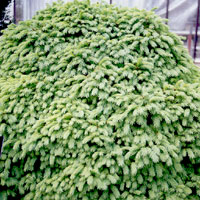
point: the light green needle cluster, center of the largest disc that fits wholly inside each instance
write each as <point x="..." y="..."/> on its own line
<point x="98" y="103"/>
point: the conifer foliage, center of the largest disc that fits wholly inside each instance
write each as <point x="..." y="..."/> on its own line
<point x="98" y="103"/>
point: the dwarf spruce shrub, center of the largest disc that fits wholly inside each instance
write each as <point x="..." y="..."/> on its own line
<point x="98" y="103"/>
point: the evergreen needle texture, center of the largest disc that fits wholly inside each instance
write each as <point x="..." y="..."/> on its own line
<point x="98" y="103"/>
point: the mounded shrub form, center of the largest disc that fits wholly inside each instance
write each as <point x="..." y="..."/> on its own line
<point x="98" y="103"/>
